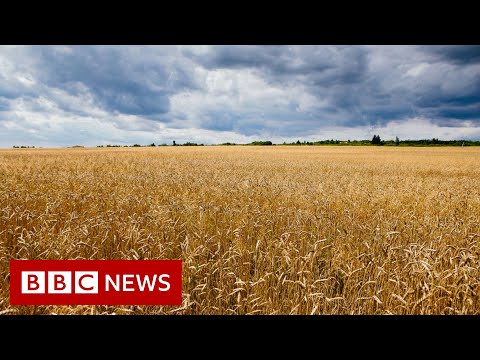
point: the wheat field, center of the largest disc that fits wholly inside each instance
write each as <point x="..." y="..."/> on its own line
<point x="260" y="229"/>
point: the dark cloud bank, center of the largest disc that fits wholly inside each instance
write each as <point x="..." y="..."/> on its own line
<point x="60" y="95"/>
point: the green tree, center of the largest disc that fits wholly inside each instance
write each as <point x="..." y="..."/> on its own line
<point x="376" y="140"/>
<point x="397" y="141"/>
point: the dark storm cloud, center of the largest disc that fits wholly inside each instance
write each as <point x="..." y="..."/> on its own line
<point x="341" y="75"/>
<point x="249" y="90"/>
<point x="121" y="80"/>
<point x="238" y="56"/>
<point x="338" y="74"/>
<point x="458" y="54"/>
<point x="311" y="64"/>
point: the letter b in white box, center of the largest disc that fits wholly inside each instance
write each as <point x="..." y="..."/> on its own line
<point x="33" y="282"/>
<point x="60" y="282"/>
<point x="86" y="282"/>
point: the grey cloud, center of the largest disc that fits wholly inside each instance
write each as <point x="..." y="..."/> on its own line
<point x="456" y="122"/>
<point x="4" y="104"/>
<point x="342" y="86"/>
<point x="332" y="64"/>
<point x="458" y="54"/>
<point x="121" y="79"/>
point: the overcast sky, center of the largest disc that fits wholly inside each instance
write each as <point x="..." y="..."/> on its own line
<point x="55" y="96"/>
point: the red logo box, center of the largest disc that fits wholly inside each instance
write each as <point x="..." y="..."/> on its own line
<point x="95" y="282"/>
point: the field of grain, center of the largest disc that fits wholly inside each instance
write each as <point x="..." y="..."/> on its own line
<point x="260" y="230"/>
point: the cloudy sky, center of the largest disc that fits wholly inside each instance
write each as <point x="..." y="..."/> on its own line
<point x="55" y="96"/>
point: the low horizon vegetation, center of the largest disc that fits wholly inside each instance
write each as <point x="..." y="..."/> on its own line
<point x="376" y="141"/>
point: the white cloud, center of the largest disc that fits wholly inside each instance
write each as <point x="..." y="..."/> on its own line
<point x="243" y="92"/>
<point x="416" y="70"/>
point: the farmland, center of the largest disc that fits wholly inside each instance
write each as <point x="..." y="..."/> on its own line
<point x="260" y="230"/>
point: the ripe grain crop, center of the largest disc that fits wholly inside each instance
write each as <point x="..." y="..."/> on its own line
<point x="260" y="229"/>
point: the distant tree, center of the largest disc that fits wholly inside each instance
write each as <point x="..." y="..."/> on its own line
<point x="152" y="144"/>
<point x="174" y="144"/>
<point x="397" y="141"/>
<point x="298" y="142"/>
<point x="376" y="140"/>
<point x="261" y="143"/>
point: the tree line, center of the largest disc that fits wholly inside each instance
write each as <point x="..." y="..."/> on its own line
<point x="376" y="140"/>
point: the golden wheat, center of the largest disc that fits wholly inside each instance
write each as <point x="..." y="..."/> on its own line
<point x="260" y="230"/>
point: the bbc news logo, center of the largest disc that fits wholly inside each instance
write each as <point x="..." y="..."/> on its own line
<point x="59" y="282"/>
<point x="95" y="282"/>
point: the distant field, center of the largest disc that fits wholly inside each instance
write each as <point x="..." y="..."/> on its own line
<point x="260" y="230"/>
